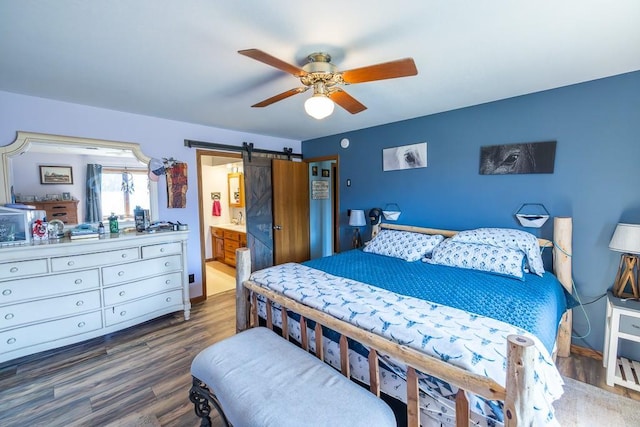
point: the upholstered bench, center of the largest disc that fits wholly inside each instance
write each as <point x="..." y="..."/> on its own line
<point x="256" y="378"/>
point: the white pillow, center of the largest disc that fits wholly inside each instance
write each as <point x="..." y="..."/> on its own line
<point x="507" y="238"/>
<point x="403" y="244"/>
<point x="492" y="259"/>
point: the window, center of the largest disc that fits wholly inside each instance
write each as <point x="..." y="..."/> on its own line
<point x="122" y="191"/>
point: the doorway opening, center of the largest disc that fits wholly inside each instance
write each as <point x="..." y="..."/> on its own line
<point x="324" y="206"/>
<point x="222" y="218"/>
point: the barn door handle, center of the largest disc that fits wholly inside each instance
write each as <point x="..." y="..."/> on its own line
<point x="277" y="227"/>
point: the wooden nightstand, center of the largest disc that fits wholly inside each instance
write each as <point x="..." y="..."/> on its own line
<point x="623" y="322"/>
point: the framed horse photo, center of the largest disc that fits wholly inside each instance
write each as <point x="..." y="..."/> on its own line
<point x="524" y="158"/>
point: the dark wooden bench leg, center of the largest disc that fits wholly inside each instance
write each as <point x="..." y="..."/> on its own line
<point x="202" y="397"/>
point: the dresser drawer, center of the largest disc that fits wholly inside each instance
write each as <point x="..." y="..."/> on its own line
<point x="152" y="251"/>
<point x="131" y="310"/>
<point x="230" y="257"/>
<point x="139" y="270"/>
<point x="630" y="325"/>
<point x="41" y="287"/>
<point x="12" y="270"/>
<point x="94" y="259"/>
<point x="231" y="235"/>
<point x="34" y="311"/>
<point x="130" y="291"/>
<point x="54" y="330"/>
<point x="231" y="245"/>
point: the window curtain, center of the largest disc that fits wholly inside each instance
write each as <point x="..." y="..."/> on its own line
<point x="93" y="207"/>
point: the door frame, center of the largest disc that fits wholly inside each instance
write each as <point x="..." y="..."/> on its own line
<point x="335" y="177"/>
<point x="200" y="153"/>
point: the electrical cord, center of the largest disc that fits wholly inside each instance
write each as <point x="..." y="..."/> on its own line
<point x="576" y="295"/>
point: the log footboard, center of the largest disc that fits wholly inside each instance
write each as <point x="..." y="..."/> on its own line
<point x="520" y="351"/>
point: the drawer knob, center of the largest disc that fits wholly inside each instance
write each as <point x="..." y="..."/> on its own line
<point x="6" y="292"/>
<point x="81" y="325"/>
<point x="167" y="282"/>
<point x="123" y="313"/>
<point x="633" y="325"/>
<point x="168" y="299"/>
<point x="70" y="263"/>
<point x="78" y="281"/>
<point x="14" y="269"/>
<point x="121" y="293"/>
<point x="80" y="303"/>
<point x="9" y="316"/>
<point x="11" y="341"/>
<point x="121" y="273"/>
<point x="161" y="249"/>
<point x="124" y="255"/>
<point x="167" y="264"/>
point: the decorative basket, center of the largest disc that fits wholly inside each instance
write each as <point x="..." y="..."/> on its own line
<point x="532" y="218"/>
<point x="391" y="212"/>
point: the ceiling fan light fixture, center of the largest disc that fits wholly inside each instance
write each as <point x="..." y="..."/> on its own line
<point x="319" y="106"/>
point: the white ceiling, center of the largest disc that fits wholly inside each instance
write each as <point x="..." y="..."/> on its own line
<point x="178" y="59"/>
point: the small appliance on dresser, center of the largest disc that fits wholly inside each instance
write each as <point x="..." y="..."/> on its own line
<point x="16" y="224"/>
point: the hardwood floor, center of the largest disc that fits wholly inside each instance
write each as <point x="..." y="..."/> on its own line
<point x="141" y="373"/>
<point x="140" y="376"/>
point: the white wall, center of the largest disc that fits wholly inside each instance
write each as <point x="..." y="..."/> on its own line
<point x="158" y="138"/>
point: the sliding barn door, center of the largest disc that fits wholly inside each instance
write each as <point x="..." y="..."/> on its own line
<point x="290" y="211"/>
<point x="259" y="211"/>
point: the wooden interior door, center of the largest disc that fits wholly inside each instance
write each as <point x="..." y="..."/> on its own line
<point x="290" y="182"/>
<point x="258" y="208"/>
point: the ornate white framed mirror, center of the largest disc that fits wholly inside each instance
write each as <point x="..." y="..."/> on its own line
<point x="22" y="159"/>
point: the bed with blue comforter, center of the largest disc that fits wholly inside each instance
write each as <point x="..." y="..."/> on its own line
<point x="460" y="315"/>
<point x="535" y="305"/>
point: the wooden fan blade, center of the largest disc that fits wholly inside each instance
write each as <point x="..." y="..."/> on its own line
<point x="261" y="56"/>
<point x="387" y="70"/>
<point x="346" y="101"/>
<point x="281" y="96"/>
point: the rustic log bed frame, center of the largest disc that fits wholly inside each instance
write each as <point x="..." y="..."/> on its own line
<point x="520" y="351"/>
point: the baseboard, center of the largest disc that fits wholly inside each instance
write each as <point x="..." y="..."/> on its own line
<point x="586" y="352"/>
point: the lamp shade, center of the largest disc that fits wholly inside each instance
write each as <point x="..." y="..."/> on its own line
<point x="356" y="219"/>
<point x="319" y="106"/>
<point x="626" y="239"/>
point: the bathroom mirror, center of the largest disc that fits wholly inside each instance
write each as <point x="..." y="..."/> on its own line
<point x="23" y="157"/>
<point x="236" y="189"/>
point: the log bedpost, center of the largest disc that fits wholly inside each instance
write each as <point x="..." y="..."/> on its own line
<point x="518" y="409"/>
<point x="243" y="271"/>
<point x="562" y="252"/>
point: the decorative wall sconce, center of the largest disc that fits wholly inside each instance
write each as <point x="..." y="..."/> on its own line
<point x="532" y="215"/>
<point x="626" y="239"/>
<point x="356" y="219"/>
<point x="391" y="212"/>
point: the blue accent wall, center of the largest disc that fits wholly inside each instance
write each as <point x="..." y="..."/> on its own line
<point x="596" y="179"/>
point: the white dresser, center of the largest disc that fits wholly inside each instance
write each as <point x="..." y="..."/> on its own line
<point x="57" y="293"/>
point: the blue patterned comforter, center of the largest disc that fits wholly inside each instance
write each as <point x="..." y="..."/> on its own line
<point x="535" y="305"/>
<point x="465" y="339"/>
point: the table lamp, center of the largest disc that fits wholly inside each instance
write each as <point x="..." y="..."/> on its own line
<point x="626" y="239"/>
<point x="356" y="219"/>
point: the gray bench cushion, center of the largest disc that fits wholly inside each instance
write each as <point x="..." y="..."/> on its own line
<point x="262" y="380"/>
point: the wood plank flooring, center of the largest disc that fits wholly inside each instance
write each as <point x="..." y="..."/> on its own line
<point x="140" y="376"/>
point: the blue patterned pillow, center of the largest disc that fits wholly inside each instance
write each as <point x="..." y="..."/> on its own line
<point x="492" y="259"/>
<point x="403" y="244"/>
<point x="507" y="238"/>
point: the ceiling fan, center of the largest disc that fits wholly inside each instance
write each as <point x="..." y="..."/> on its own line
<point x="325" y="79"/>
